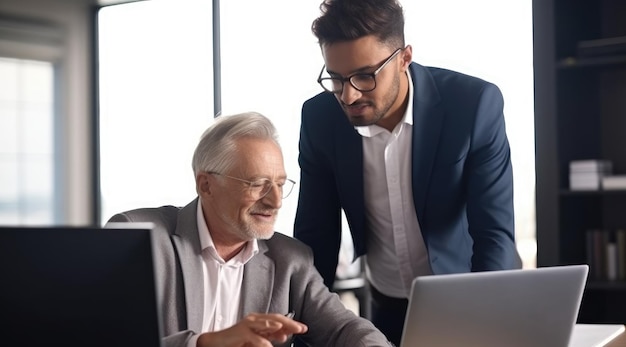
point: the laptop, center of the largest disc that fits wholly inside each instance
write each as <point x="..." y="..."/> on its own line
<point x="77" y="286"/>
<point x="514" y="308"/>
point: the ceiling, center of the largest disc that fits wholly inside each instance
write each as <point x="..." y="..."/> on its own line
<point x="113" y="2"/>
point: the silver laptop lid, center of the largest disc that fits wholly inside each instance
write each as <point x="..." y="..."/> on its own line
<point x="513" y="308"/>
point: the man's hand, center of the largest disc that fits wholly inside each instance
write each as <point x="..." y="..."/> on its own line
<point x="254" y="330"/>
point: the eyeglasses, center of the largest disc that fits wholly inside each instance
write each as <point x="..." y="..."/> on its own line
<point x="363" y="82"/>
<point x="258" y="189"/>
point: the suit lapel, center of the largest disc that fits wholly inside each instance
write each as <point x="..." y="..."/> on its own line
<point x="349" y="149"/>
<point x="258" y="280"/>
<point x="427" y="123"/>
<point x="187" y="244"/>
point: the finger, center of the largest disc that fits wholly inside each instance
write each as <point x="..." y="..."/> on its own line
<point x="290" y="326"/>
<point x="272" y="322"/>
<point x="285" y="320"/>
<point x="264" y="326"/>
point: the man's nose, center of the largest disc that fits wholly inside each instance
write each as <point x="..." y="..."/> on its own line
<point x="274" y="197"/>
<point x="349" y="94"/>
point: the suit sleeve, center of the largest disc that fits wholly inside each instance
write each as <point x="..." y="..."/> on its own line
<point x="490" y="187"/>
<point x="318" y="216"/>
<point x="328" y="320"/>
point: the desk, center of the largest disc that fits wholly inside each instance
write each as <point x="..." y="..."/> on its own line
<point x="619" y="341"/>
<point x="589" y="335"/>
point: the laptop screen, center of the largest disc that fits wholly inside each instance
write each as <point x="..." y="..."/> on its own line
<point x="513" y="308"/>
<point x="77" y="286"/>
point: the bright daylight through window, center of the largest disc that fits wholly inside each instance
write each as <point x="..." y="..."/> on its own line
<point x="156" y="85"/>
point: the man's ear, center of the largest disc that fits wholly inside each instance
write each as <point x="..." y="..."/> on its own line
<point x="203" y="184"/>
<point x="406" y="56"/>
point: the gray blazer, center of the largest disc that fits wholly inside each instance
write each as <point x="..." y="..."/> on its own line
<point x="280" y="278"/>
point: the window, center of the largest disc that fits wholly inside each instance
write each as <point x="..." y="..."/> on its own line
<point x="30" y="154"/>
<point x="272" y="70"/>
<point x="155" y="91"/>
<point x="27" y="154"/>
<point x="156" y="99"/>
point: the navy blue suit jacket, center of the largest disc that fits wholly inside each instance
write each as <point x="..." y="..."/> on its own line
<point x="462" y="178"/>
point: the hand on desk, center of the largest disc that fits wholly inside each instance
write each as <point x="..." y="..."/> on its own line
<point x="254" y="330"/>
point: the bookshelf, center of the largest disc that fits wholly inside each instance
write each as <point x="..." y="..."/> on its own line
<point x="580" y="114"/>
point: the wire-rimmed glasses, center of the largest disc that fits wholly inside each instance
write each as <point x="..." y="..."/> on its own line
<point x="259" y="188"/>
<point x="363" y="82"/>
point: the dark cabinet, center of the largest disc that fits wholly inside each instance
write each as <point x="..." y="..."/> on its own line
<point x="580" y="114"/>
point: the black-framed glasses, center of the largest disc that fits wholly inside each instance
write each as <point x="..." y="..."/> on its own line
<point x="259" y="188"/>
<point x="363" y="82"/>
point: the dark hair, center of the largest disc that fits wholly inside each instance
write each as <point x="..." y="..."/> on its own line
<point x="346" y="20"/>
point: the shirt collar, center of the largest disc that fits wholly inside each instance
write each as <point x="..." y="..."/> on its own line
<point x="373" y="130"/>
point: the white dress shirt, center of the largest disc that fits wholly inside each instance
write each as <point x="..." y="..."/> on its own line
<point x="222" y="282"/>
<point x="395" y="248"/>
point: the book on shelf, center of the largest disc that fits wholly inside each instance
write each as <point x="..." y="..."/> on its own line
<point x="585" y="181"/>
<point x="606" y="254"/>
<point x="614" y="182"/>
<point x="620" y="239"/>
<point x="588" y="174"/>
<point x="602" y="47"/>
<point x="591" y="165"/>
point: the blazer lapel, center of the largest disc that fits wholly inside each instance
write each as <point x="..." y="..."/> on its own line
<point x="258" y="280"/>
<point x="427" y="123"/>
<point x="349" y="163"/>
<point x="187" y="244"/>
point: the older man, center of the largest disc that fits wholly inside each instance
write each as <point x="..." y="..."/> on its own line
<point x="224" y="277"/>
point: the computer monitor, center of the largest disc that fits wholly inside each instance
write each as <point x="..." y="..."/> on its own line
<point x="77" y="286"/>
